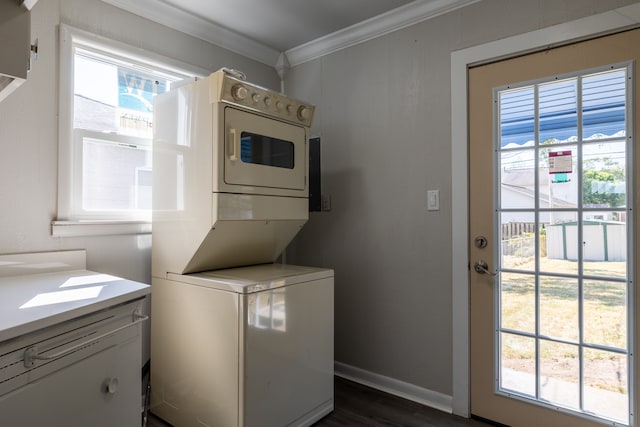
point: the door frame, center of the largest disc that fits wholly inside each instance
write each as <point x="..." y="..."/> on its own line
<point x="597" y="25"/>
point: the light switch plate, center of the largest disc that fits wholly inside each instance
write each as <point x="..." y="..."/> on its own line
<point x="433" y="200"/>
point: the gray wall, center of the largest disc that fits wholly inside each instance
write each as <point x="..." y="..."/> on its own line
<point x="384" y="116"/>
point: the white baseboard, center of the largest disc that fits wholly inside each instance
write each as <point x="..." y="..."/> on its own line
<point x="398" y="388"/>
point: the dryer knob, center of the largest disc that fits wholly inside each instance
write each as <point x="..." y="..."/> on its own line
<point x="304" y="113"/>
<point x="239" y="92"/>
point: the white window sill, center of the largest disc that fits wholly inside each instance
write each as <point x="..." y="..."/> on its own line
<point x="98" y="228"/>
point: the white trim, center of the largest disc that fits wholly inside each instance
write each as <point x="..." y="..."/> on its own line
<point x="188" y="23"/>
<point x="424" y="396"/>
<point x="608" y="22"/>
<point x="396" y="19"/>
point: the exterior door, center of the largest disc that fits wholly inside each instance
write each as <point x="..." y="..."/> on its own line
<point x="552" y="186"/>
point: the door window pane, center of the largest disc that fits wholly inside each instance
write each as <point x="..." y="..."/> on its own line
<point x="559" y="308"/>
<point x="604" y="244"/>
<point x="605" y="313"/>
<point x="518" y="302"/>
<point x="517" y="117"/>
<point x="557" y="183"/>
<point x="606" y="390"/>
<point x="518" y="364"/>
<point x="517" y="179"/>
<point x="560" y="374"/>
<point x="558" y="115"/>
<point x="559" y="242"/>
<point x="604" y="175"/>
<point x="518" y="244"/>
<point x="604" y="104"/>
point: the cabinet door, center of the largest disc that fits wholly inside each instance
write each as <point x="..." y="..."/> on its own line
<point x="77" y="396"/>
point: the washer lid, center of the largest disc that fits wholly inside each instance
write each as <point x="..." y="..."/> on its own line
<point x="253" y="278"/>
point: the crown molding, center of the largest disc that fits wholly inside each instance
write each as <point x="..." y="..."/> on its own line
<point x="396" y="19"/>
<point x="178" y="19"/>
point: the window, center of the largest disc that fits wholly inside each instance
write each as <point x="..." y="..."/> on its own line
<point x="106" y="120"/>
<point x="564" y="320"/>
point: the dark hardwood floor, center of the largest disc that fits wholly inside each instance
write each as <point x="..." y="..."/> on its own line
<point x="359" y="406"/>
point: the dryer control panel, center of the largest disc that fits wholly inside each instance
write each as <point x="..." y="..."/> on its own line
<point x="225" y="88"/>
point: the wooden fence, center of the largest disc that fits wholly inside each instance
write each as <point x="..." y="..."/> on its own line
<point x="517" y="229"/>
<point x="518" y="239"/>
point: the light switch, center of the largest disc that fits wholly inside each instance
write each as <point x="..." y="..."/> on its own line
<point x="433" y="200"/>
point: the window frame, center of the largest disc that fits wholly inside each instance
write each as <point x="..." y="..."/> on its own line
<point x="71" y="218"/>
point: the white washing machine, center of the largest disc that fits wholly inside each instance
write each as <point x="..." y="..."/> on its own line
<point x="248" y="346"/>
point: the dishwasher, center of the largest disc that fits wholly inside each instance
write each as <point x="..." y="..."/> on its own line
<point x="70" y="347"/>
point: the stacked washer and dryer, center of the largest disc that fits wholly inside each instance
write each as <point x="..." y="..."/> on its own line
<point x="236" y="339"/>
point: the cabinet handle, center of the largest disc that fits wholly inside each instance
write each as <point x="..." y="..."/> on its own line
<point x="31" y="354"/>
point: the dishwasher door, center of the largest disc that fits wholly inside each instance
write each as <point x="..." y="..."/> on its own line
<point x="93" y="378"/>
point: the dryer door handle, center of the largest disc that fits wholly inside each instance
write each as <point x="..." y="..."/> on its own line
<point x="234" y="144"/>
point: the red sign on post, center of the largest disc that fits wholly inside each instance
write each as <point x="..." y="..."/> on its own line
<point x="560" y="162"/>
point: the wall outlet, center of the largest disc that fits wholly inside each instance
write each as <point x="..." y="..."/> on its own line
<point x="326" y="202"/>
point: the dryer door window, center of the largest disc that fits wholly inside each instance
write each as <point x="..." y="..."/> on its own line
<point x="263" y="152"/>
<point x="266" y="150"/>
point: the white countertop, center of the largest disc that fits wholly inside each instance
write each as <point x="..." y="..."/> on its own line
<point x="34" y="301"/>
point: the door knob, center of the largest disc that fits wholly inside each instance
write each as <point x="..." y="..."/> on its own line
<point x="481" y="267"/>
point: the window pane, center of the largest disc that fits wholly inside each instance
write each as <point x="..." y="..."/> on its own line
<point x="559" y="308"/>
<point x="558" y="182"/>
<point x="604" y="175"/>
<point x="605" y="313"/>
<point x="605" y="384"/>
<point x="559" y="373"/>
<point x="518" y="364"/>
<point x="517" y="179"/>
<point x="518" y="244"/>
<point x="517" y="118"/>
<point x="518" y="302"/>
<point x="558" y="104"/>
<point x="604" y="244"/>
<point x="559" y="242"/>
<point x="110" y="97"/>
<point x="95" y="95"/>
<point x="115" y="176"/>
<point x="603" y="105"/>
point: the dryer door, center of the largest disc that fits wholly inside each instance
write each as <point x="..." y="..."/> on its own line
<point x="263" y="152"/>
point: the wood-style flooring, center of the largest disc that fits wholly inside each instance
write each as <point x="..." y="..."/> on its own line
<point x="358" y="406"/>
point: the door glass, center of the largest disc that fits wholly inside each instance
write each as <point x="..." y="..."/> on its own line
<point x="563" y="293"/>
